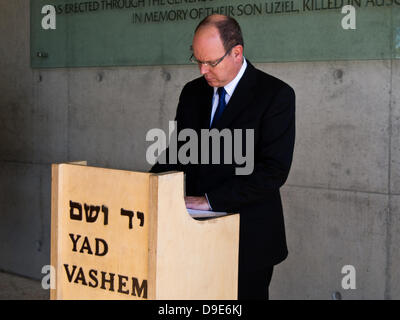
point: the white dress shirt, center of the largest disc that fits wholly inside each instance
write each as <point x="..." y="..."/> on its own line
<point x="229" y="88"/>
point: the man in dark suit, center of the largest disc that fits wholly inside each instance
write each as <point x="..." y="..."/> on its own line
<point x="232" y="94"/>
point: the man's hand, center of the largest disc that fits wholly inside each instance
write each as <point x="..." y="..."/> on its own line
<point x="199" y="203"/>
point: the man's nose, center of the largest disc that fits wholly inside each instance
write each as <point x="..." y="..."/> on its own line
<point x="203" y="68"/>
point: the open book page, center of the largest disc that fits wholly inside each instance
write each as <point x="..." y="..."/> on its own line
<point x="205" y="213"/>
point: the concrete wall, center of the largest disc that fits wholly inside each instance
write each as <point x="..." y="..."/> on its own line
<point x="342" y="199"/>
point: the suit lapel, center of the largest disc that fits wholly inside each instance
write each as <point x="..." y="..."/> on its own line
<point x="205" y="105"/>
<point x="241" y="97"/>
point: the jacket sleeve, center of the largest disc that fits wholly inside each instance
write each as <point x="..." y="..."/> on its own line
<point x="272" y="158"/>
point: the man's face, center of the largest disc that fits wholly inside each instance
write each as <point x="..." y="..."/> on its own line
<point x="207" y="46"/>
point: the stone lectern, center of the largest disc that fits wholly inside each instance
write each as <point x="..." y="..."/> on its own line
<point x="119" y="234"/>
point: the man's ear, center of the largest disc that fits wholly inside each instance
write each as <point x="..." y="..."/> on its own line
<point x="238" y="52"/>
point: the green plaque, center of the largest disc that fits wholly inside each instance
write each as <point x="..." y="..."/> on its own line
<point x="159" y="32"/>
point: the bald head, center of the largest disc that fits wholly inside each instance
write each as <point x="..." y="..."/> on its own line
<point x="211" y="20"/>
<point x="228" y="29"/>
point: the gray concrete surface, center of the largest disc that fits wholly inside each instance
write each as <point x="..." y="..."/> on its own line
<point x="342" y="123"/>
<point x="342" y="199"/>
<point x="328" y="229"/>
<point x="395" y="129"/>
<point x="13" y="287"/>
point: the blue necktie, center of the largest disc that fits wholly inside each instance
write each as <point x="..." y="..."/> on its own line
<point x="221" y="105"/>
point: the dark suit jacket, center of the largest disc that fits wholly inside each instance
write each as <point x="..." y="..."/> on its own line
<point x="267" y="105"/>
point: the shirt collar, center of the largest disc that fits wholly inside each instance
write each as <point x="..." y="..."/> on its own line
<point x="230" y="87"/>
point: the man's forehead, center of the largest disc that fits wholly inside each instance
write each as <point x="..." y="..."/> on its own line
<point x="207" y="38"/>
<point x="207" y="33"/>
